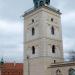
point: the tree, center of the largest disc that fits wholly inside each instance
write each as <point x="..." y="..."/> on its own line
<point x="2" y="61"/>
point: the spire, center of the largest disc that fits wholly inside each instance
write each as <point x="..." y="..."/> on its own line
<point x="38" y="3"/>
<point x="2" y="61"/>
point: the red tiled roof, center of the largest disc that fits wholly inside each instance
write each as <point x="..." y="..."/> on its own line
<point x="12" y="69"/>
<point x="13" y="65"/>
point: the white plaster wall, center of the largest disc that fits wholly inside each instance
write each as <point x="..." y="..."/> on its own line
<point x="42" y="24"/>
<point x="42" y="40"/>
<point x="52" y="39"/>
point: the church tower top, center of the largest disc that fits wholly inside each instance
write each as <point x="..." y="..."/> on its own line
<point x="42" y="4"/>
<point x="38" y="3"/>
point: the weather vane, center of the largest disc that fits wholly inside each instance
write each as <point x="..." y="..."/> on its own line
<point x="38" y="3"/>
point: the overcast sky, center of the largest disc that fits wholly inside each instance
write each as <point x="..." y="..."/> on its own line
<point x="11" y="26"/>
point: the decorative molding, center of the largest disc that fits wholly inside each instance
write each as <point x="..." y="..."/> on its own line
<point x="64" y="64"/>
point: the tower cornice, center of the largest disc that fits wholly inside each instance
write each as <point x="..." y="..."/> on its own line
<point x="46" y="7"/>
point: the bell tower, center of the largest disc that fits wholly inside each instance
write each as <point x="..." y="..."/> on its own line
<point x="42" y="38"/>
<point x="39" y="3"/>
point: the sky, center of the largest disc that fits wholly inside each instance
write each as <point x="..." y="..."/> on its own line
<point x="11" y="26"/>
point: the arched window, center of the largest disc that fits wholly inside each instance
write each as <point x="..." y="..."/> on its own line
<point x="58" y="72"/>
<point x="33" y="31"/>
<point x="54" y="61"/>
<point x="33" y="50"/>
<point x="32" y="20"/>
<point x="52" y="30"/>
<point x="53" y="48"/>
<point x="41" y="3"/>
<point x="51" y="19"/>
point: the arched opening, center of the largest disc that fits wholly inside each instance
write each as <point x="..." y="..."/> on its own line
<point x="33" y="31"/>
<point x="36" y="4"/>
<point x="53" y="48"/>
<point x="33" y="50"/>
<point x="32" y="20"/>
<point x="41" y="3"/>
<point x="54" y="61"/>
<point x="51" y="19"/>
<point x="52" y="30"/>
<point x="58" y="72"/>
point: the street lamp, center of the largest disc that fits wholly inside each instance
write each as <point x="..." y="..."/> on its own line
<point x="28" y="65"/>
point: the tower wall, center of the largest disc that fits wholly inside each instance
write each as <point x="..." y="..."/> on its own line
<point x="42" y="40"/>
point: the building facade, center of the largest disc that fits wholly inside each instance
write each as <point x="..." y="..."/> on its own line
<point x="43" y="48"/>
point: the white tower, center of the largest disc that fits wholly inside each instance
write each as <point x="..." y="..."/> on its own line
<point x="42" y="39"/>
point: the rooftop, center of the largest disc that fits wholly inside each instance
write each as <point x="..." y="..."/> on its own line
<point x="47" y="7"/>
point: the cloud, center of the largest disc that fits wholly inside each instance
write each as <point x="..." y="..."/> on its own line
<point x="11" y="25"/>
<point x="68" y="44"/>
<point x="11" y="39"/>
<point x="12" y="10"/>
<point x="68" y="27"/>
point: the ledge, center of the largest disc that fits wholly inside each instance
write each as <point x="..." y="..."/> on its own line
<point x="63" y="64"/>
<point x="46" y="7"/>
